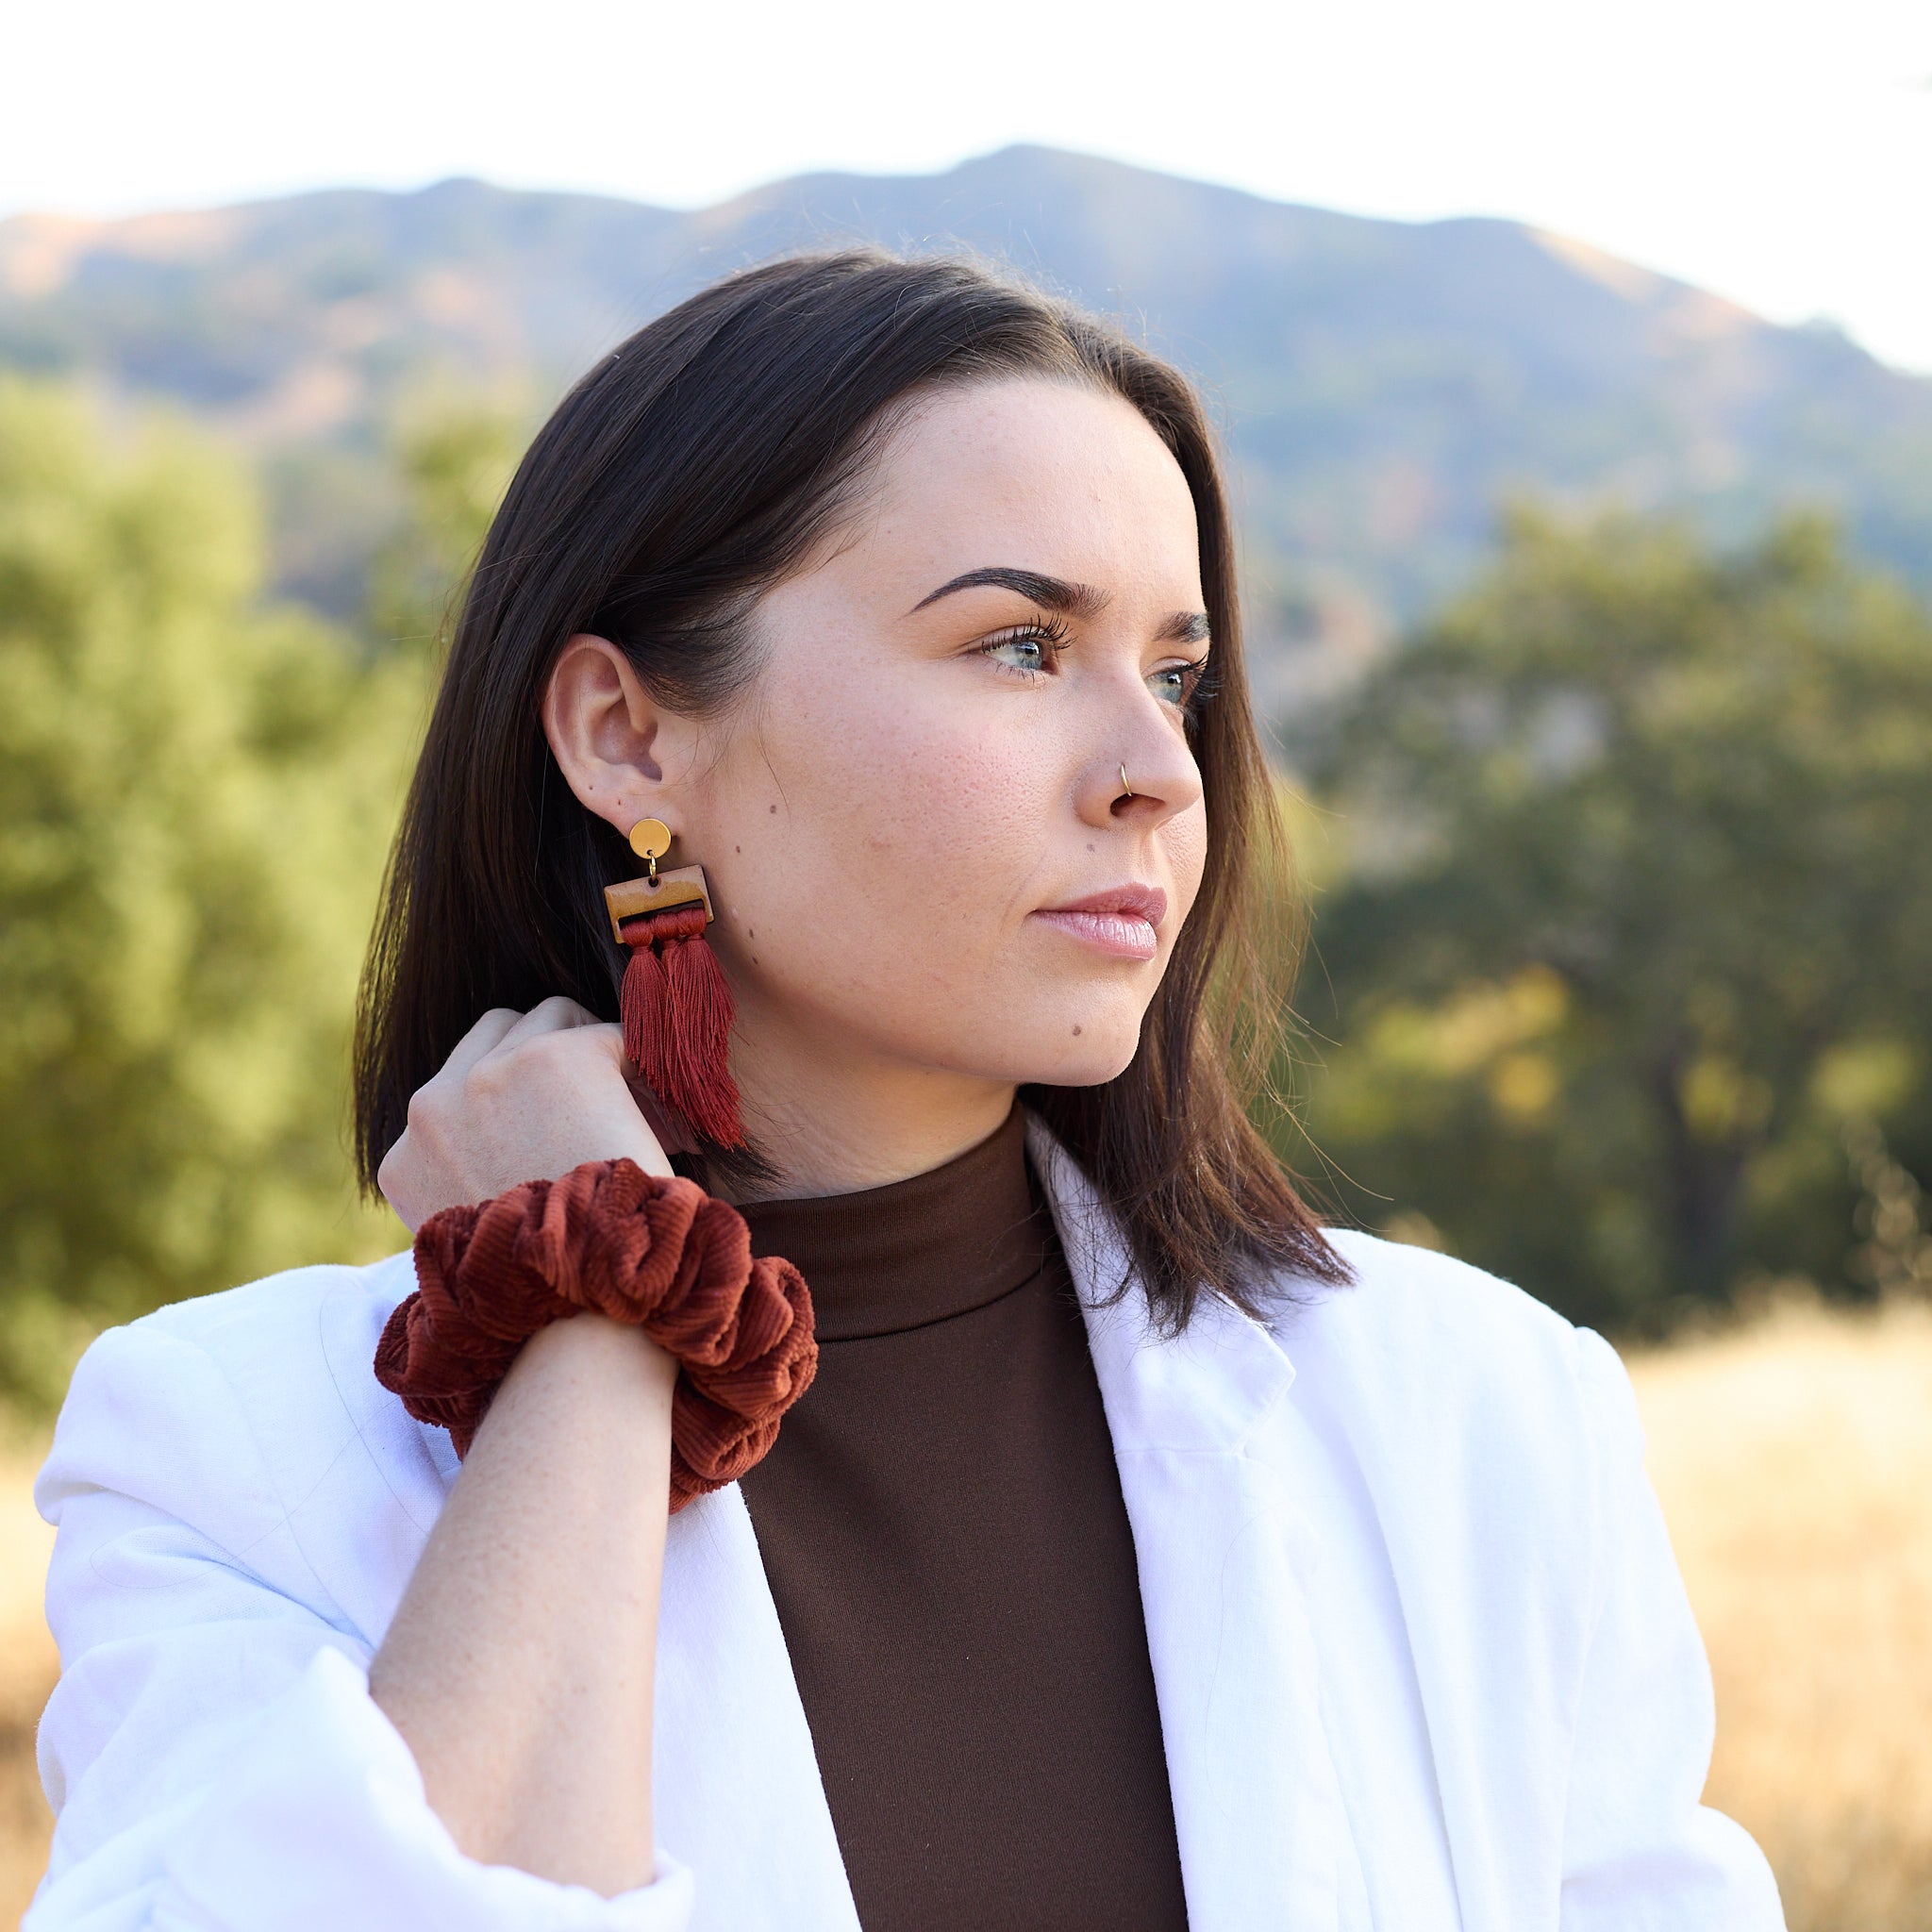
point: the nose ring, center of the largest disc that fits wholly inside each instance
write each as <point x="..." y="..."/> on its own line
<point x="1125" y="786"/>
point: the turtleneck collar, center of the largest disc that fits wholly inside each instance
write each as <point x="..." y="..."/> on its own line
<point x="896" y="1258"/>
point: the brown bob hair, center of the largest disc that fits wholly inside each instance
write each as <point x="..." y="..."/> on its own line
<point x="695" y="466"/>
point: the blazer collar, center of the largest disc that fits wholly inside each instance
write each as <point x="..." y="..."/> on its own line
<point x="1224" y="1553"/>
<point x="1207" y="1389"/>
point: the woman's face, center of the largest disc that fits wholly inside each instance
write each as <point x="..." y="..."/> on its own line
<point x="900" y="822"/>
<point x="929" y="765"/>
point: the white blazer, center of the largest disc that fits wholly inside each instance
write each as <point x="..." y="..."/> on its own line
<point x="1423" y="1657"/>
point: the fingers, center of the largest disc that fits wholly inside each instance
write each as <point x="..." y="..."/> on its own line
<point x="524" y="1095"/>
<point x="600" y="1043"/>
<point x="604" y="1041"/>
<point x="603" y="1038"/>
<point x="504" y="1026"/>
<point x="483" y="1037"/>
<point x="557" y="1014"/>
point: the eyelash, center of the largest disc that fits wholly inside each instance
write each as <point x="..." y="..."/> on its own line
<point x="1203" y="681"/>
<point x="1052" y="635"/>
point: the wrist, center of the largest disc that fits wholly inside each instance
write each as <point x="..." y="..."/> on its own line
<point x="628" y="1138"/>
<point x="531" y="1286"/>
<point x="594" y="1344"/>
<point x="584" y="1386"/>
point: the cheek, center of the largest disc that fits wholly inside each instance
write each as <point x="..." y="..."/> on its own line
<point x="958" y="819"/>
<point x="1185" y="836"/>
<point x="906" y="846"/>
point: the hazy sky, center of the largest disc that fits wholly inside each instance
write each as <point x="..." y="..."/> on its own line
<point x="1777" y="151"/>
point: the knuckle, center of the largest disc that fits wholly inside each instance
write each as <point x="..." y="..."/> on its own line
<point x="494" y="1074"/>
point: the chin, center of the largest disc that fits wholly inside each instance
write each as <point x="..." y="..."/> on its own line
<point x="1093" y="1059"/>
<point x="1067" y="1039"/>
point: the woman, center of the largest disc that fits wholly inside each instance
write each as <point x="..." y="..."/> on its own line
<point x="1141" y="1554"/>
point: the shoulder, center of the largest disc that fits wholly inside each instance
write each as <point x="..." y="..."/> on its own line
<point x="1490" y="1452"/>
<point x="1459" y="1387"/>
<point x="269" y="1332"/>
<point x="249" y="1417"/>
<point x="268" y="1354"/>
<point x="1424" y="1289"/>
<point x="1412" y="1316"/>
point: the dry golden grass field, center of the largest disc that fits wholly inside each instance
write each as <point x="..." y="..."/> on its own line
<point x="1794" y="1460"/>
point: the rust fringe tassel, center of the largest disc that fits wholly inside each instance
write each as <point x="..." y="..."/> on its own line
<point x="676" y="1009"/>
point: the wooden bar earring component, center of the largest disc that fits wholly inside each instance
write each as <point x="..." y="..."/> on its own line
<point x="683" y="885"/>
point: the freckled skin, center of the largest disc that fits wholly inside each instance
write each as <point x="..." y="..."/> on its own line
<point x="934" y="798"/>
<point x="930" y="797"/>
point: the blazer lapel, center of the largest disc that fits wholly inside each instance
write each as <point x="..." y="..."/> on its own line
<point x="735" y="1779"/>
<point x="1222" y="1554"/>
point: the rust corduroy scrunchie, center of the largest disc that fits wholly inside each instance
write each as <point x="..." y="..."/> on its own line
<point x="607" y="1237"/>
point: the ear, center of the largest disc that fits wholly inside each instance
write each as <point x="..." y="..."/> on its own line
<point x="618" y="749"/>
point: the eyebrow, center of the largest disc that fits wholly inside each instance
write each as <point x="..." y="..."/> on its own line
<point x="1050" y="594"/>
<point x="1057" y="594"/>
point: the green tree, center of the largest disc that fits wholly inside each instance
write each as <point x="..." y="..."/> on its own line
<point x="455" y="460"/>
<point x="1635" y="919"/>
<point x="197" y="790"/>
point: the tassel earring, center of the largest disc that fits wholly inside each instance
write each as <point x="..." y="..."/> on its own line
<point x="675" y="1002"/>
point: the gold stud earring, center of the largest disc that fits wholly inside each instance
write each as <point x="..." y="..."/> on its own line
<point x="650" y="838"/>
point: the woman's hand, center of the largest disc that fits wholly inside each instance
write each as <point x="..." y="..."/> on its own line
<point x="524" y="1097"/>
<point x="518" y="1666"/>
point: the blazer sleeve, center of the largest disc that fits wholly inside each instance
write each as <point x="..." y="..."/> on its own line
<point x="1642" y="1853"/>
<point x="211" y="1752"/>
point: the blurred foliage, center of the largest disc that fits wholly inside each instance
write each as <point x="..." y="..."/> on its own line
<point x="1626" y="953"/>
<point x="1624" y="901"/>
<point x="455" y="460"/>
<point x="197" y="790"/>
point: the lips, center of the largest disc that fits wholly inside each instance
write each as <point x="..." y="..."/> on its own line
<point x="1122" y="921"/>
<point x="1137" y="901"/>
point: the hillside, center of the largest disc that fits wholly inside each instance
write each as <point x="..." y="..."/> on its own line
<point x="1382" y="383"/>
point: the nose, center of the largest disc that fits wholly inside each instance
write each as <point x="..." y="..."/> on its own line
<point x="1161" y="780"/>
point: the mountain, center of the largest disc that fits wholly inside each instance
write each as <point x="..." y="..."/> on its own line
<point x="1382" y="384"/>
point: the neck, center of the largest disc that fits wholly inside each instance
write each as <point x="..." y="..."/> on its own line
<point x="835" y="1126"/>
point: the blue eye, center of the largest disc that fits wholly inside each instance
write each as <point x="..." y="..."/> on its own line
<point x="1184" y="685"/>
<point x="1023" y="654"/>
<point x="1027" y="650"/>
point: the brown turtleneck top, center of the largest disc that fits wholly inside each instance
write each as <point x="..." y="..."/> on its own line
<point x="943" y="1528"/>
